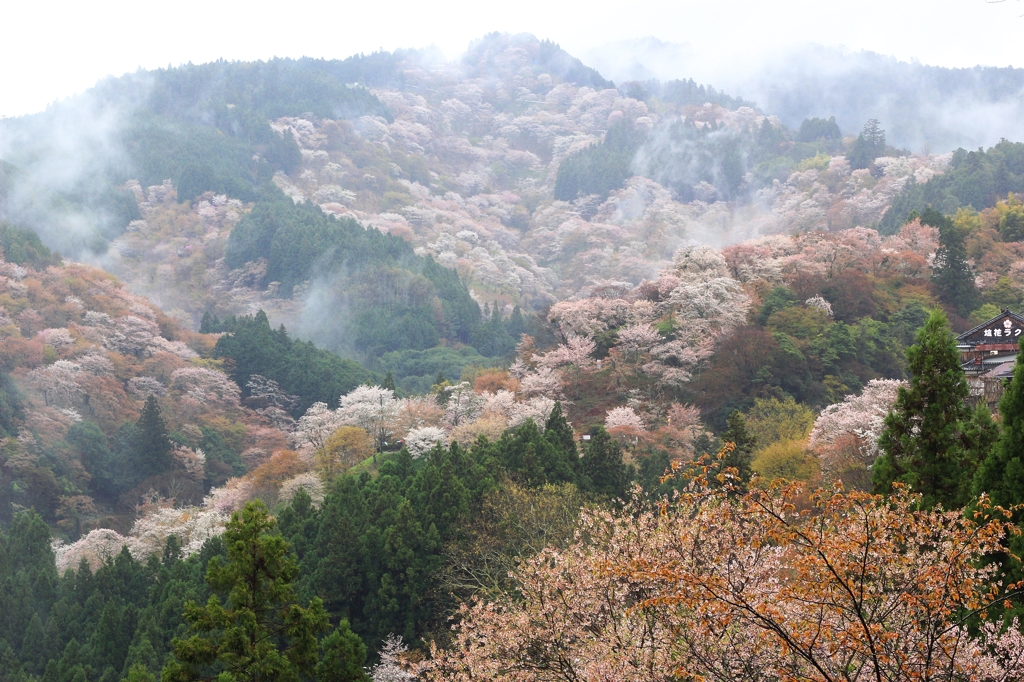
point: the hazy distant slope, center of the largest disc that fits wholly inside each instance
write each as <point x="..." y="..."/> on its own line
<point x="921" y="107"/>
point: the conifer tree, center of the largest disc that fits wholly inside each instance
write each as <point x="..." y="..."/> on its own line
<point x="603" y="465"/>
<point x="559" y="433"/>
<point x="32" y="652"/>
<point x="951" y="274"/>
<point x="1001" y="472"/>
<point x="152" y="446"/>
<point x="261" y="632"/>
<point x="342" y="656"/>
<point x="931" y="435"/>
<point x="741" y="456"/>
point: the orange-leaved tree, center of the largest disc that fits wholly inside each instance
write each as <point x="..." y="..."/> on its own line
<point x="777" y="583"/>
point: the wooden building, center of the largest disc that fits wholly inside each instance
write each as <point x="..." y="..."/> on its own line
<point x="988" y="354"/>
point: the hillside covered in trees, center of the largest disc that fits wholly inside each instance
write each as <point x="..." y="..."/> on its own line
<point x="400" y="369"/>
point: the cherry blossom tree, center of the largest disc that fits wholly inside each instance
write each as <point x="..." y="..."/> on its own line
<point x="423" y="439"/>
<point x="316" y="426"/>
<point x="636" y="340"/>
<point x="58" y="383"/>
<point x="372" y="408"/>
<point x="845" y="435"/>
<point x="311" y="483"/>
<point x="623" y="420"/>
<point x="391" y="667"/>
<point x="777" y="583"/>
<point x="819" y="303"/>
<point x="537" y="408"/>
<point x="575" y="354"/>
<point x="415" y="412"/>
<point x="463" y="404"/>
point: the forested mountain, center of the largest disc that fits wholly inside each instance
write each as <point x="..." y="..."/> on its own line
<point x="397" y="368"/>
<point x="924" y="107"/>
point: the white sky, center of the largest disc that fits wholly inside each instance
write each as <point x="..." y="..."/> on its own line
<point x="50" y="50"/>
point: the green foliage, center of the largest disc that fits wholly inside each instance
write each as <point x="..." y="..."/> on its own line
<point x="388" y="294"/>
<point x="932" y="439"/>
<point x="977" y="179"/>
<point x="342" y="656"/>
<point x="603" y="465"/>
<point x="687" y="92"/>
<point x="415" y="371"/>
<point x="744" y="443"/>
<point x="775" y="420"/>
<point x="106" y="469"/>
<point x="950" y="272"/>
<point x="785" y="459"/>
<point x="1000" y="473"/>
<point x="683" y="156"/>
<point x="371" y="552"/>
<point x="11" y="407"/>
<point x="260" y="633"/>
<point x="814" y="129"/>
<point x="24" y="247"/>
<point x="299" y="367"/>
<point x="868" y="146"/>
<point x="601" y="167"/>
<point x="152" y="447"/>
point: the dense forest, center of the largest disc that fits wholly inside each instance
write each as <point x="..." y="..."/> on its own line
<point x="393" y="368"/>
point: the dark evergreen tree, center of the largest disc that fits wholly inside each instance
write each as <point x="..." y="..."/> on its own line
<point x="559" y="433"/>
<point x="261" y="632"/>
<point x="152" y="445"/>
<point x="868" y="146"/>
<point x="33" y="653"/>
<point x="931" y="436"/>
<point x="1001" y="472"/>
<point x="104" y="466"/>
<point x="951" y="274"/>
<point x="744" y="442"/>
<point x="603" y="465"/>
<point x="342" y="656"/>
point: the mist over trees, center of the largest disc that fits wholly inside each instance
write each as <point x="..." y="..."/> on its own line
<point x="628" y="379"/>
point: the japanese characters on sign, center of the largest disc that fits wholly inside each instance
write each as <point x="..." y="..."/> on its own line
<point x="1008" y="331"/>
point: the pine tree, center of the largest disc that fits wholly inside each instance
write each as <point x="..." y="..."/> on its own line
<point x="951" y="274"/>
<point x="342" y="656"/>
<point x="261" y="633"/>
<point x="389" y="382"/>
<point x="931" y="435"/>
<point x="152" y="446"/>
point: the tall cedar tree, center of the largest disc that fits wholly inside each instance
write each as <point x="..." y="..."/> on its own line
<point x="931" y="436"/>
<point x="262" y="633"/>
<point x="951" y="274"/>
<point x="603" y="465"/>
<point x="868" y="146"/>
<point x="152" y="447"/>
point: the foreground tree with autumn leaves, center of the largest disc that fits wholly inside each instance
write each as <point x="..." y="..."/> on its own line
<point x="774" y="584"/>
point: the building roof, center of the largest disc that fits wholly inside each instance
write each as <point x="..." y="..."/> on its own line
<point x="977" y="335"/>
<point x="1003" y="371"/>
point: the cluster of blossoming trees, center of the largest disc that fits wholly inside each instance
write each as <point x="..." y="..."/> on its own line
<point x="769" y="585"/>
